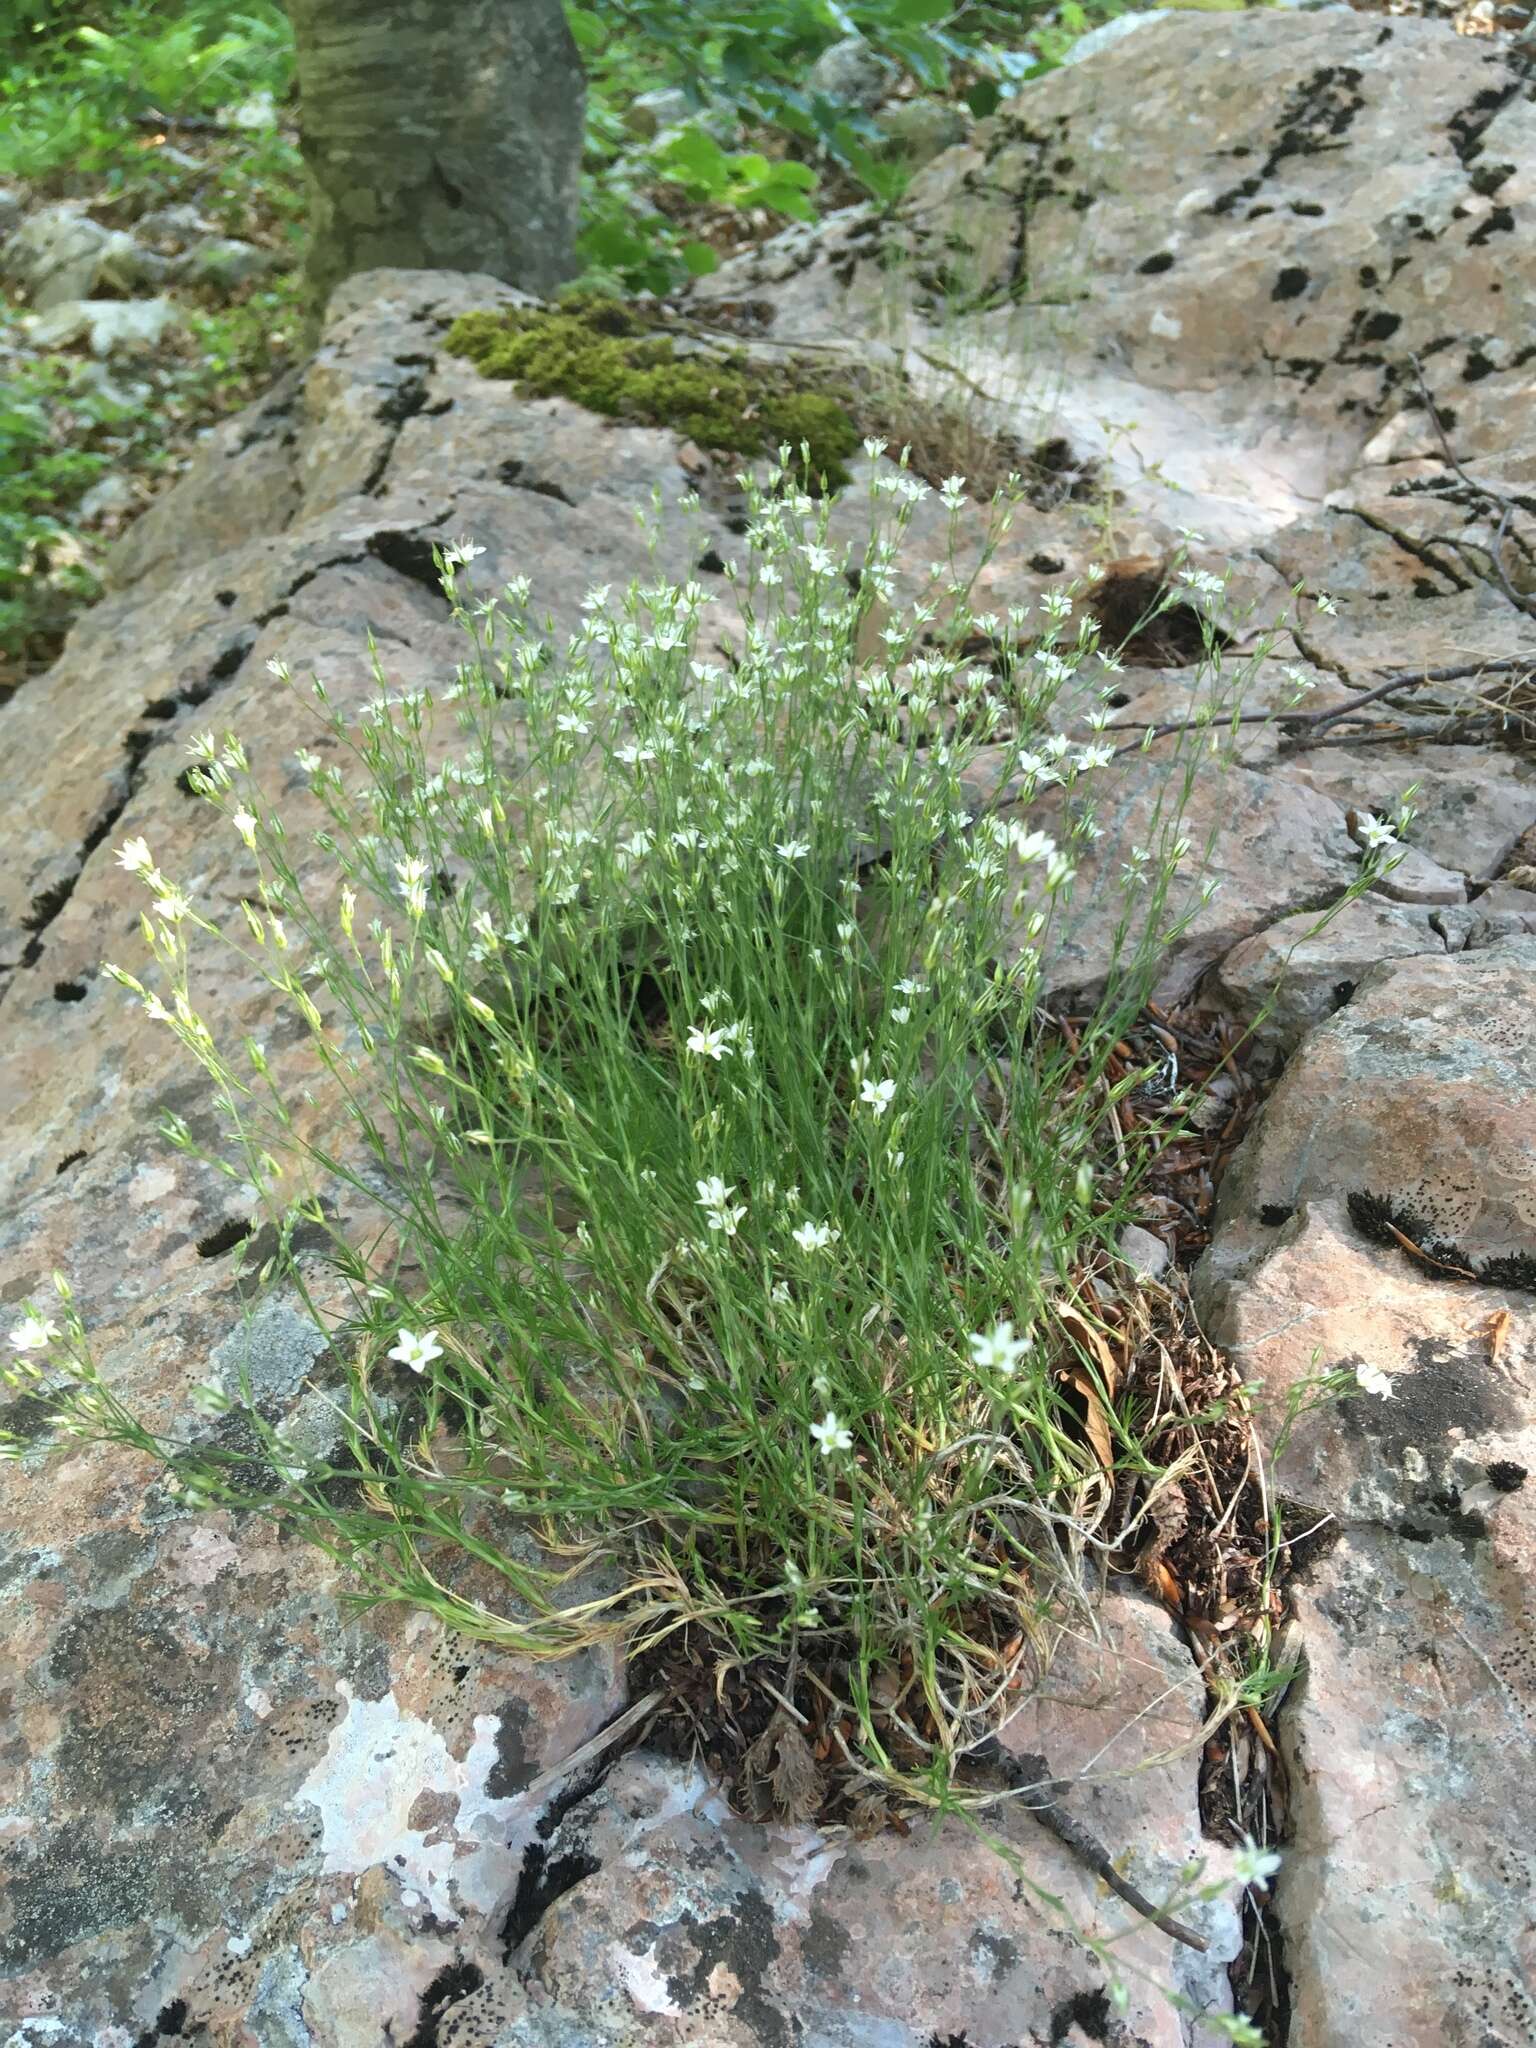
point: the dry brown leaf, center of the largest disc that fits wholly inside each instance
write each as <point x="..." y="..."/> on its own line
<point x="1095" y="1415"/>
<point x="1497" y="1330"/>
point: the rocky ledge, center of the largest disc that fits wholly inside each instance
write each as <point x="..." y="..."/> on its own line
<point x="1295" y="251"/>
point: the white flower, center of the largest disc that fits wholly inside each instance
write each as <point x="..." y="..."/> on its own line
<point x="910" y="985"/>
<point x="793" y="849"/>
<point x="1373" y="832"/>
<point x="1253" y="1865"/>
<point x="830" y="1435"/>
<point x="462" y="551"/>
<point x="715" y="1200"/>
<point x="245" y="825"/>
<point x="135" y="856"/>
<point x="878" y="1094"/>
<point x="33" y="1333"/>
<point x="1028" y="846"/>
<point x="1325" y="603"/>
<point x="1203" y="581"/>
<point x="821" y="562"/>
<point x="997" y="1349"/>
<point x="413" y="880"/>
<point x="708" y="1042"/>
<point x="173" y="904"/>
<point x="875" y="449"/>
<point x="952" y="491"/>
<point x="1372" y="1380"/>
<point x="416" y="1351"/>
<point x="815" y="1237"/>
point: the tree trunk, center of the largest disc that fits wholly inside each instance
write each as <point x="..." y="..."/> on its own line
<point x="439" y="135"/>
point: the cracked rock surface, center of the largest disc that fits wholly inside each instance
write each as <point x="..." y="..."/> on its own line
<point x="233" y="1812"/>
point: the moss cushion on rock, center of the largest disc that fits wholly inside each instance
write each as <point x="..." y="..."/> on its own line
<point x="614" y="358"/>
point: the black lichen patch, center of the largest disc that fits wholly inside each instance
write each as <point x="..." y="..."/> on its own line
<point x="1384" y="1222"/>
<point x="1156" y="265"/>
<point x="1291" y="282"/>
<point x="1273" y="1214"/>
<point x="169" y="2024"/>
<point x="1506" y="1476"/>
<point x="1441" y="1514"/>
<point x="621" y="360"/>
<point x="1501" y="221"/>
<point x="1086" y="2011"/>
<point x="1441" y="1388"/>
<point x="454" y="1981"/>
<point x="513" y="1768"/>
<point x="745" y="1941"/>
<point x="542" y="1881"/>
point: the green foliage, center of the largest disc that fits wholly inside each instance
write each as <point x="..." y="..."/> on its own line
<point x="613" y="359"/>
<point x="71" y="88"/>
<point x="743" y="66"/>
<point x="63" y="426"/>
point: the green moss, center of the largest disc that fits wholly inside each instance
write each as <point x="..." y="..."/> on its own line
<point x="613" y="358"/>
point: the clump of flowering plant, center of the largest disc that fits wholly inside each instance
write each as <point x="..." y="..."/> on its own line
<point x="678" y="1006"/>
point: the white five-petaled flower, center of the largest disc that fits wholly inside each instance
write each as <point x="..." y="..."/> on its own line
<point x="1028" y="846"/>
<point x="831" y="1435"/>
<point x="1253" y="1865"/>
<point x="33" y="1333"/>
<point x="1372" y="1380"/>
<point x="461" y="552"/>
<point x="135" y="856"/>
<point x="1373" y="832"/>
<point x="793" y="849"/>
<point x="245" y="825"/>
<point x="815" y="1237"/>
<point x="997" y="1349"/>
<point x="879" y="1095"/>
<point x="1325" y="603"/>
<point x="416" y="1350"/>
<point x="708" y="1042"/>
<point x="720" y="1213"/>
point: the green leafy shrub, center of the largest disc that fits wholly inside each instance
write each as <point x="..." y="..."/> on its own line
<point x="614" y="359"/>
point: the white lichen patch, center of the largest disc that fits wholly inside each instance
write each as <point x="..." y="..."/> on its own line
<point x="377" y="1763"/>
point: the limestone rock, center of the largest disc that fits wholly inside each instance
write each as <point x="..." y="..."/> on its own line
<point x="681" y="1923"/>
<point x="851" y="73"/>
<point x="60" y="254"/>
<point x="1405" y="1895"/>
<point x="1421" y="1091"/>
<point x="1303" y="974"/>
<point x="223" y="262"/>
<point x="918" y="130"/>
<point x="108" y="327"/>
